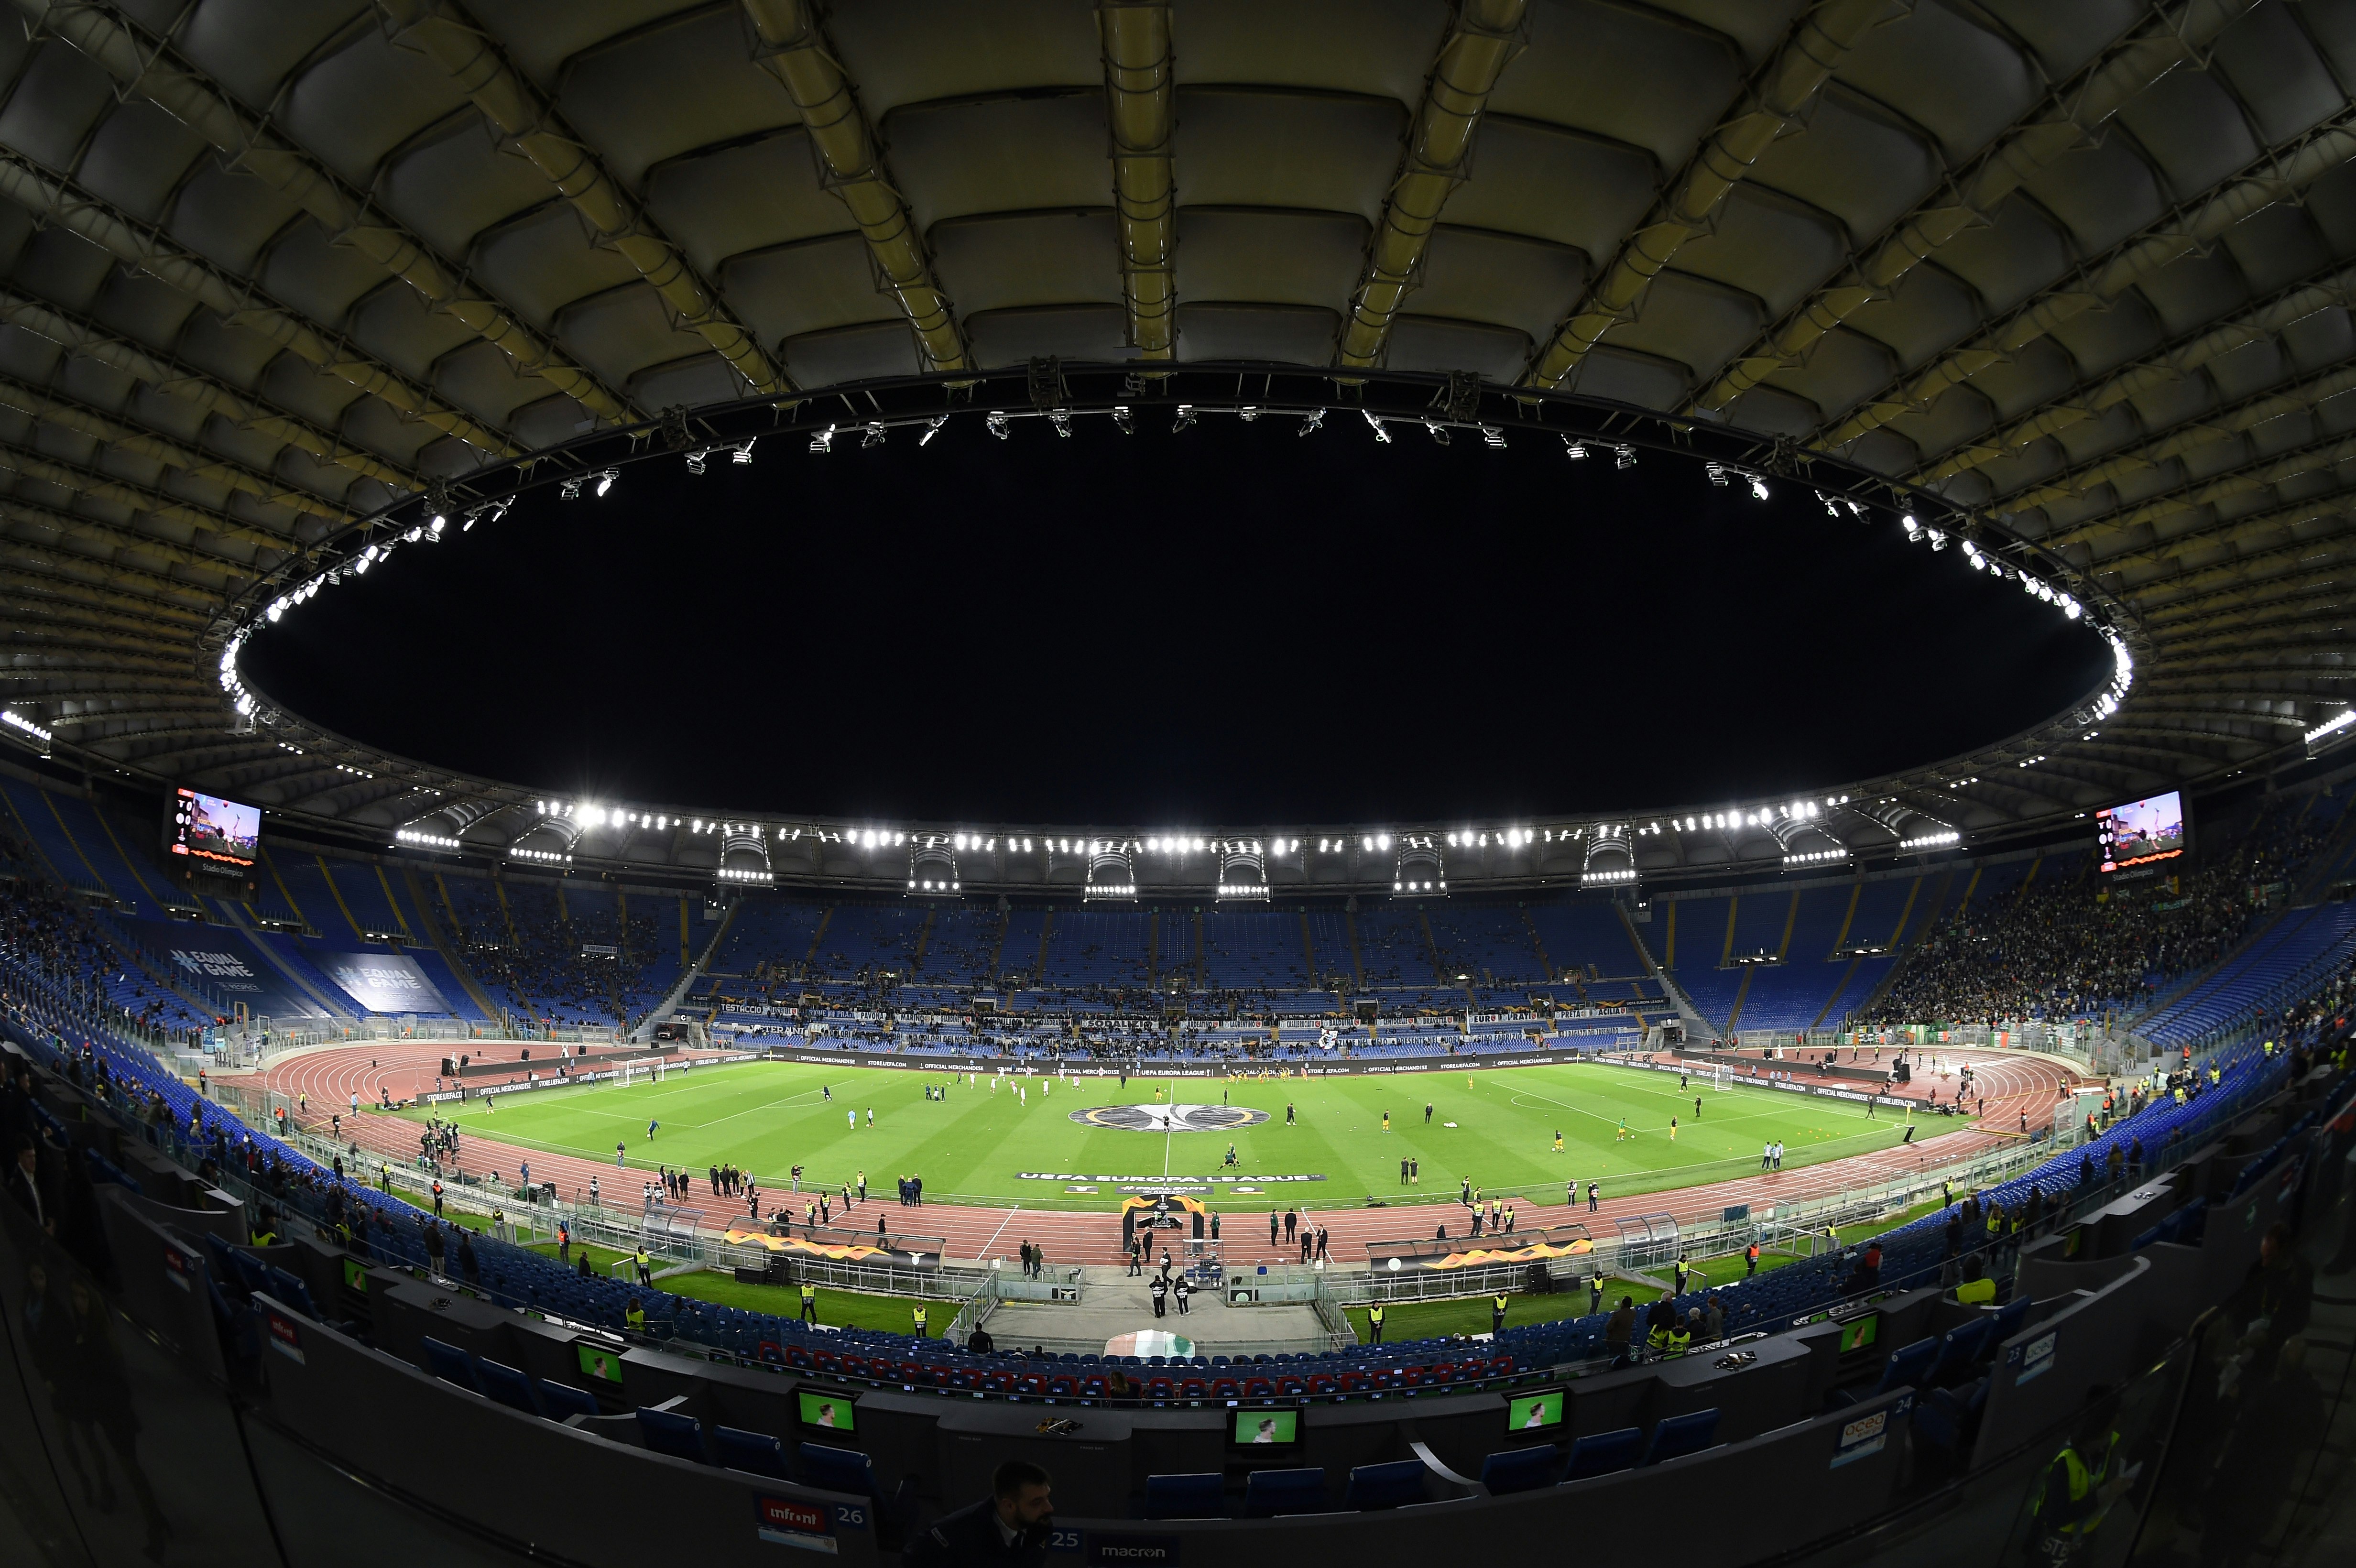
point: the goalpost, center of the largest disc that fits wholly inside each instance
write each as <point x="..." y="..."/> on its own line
<point x="1721" y="1076"/>
<point x="648" y="1069"/>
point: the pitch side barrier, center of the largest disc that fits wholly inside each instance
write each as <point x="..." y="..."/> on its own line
<point x="1096" y="1067"/>
<point x="1788" y="1085"/>
<point x="330" y="1392"/>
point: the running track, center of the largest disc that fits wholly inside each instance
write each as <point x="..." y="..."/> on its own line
<point x="328" y="1078"/>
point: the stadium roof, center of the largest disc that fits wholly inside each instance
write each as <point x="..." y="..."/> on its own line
<point x="2086" y="270"/>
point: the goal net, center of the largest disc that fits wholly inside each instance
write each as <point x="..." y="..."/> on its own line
<point x="1721" y="1076"/>
<point x="648" y="1069"/>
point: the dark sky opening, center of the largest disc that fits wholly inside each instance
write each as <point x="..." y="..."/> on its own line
<point x="1227" y="626"/>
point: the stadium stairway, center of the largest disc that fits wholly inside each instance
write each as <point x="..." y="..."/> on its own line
<point x="435" y="933"/>
<point x="1697" y="1025"/>
<point x="667" y="1009"/>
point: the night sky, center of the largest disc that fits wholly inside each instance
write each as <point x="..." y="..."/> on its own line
<point x="1227" y="626"/>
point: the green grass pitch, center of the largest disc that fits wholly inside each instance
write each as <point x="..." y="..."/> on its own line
<point x="1496" y="1128"/>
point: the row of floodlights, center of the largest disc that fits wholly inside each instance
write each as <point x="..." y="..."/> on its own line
<point x="2031" y="583"/>
<point x="1765" y="816"/>
<point x="430" y="840"/>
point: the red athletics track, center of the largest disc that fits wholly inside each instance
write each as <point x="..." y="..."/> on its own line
<point x="2014" y="1085"/>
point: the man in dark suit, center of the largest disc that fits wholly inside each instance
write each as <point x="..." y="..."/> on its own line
<point x="29" y="1187"/>
<point x="1013" y="1524"/>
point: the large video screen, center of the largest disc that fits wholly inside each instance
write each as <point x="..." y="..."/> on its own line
<point x="2141" y="831"/>
<point x="207" y="828"/>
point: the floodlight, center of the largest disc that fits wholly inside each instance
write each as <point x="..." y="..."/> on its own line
<point x="997" y="423"/>
<point x="1315" y="421"/>
<point x="1439" y="432"/>
<point x="744" y="453"/>
<point x="1492" y="438"/>
<point x="822" y="441"/>
<point x="605" y="480"/>
<point x="1624" y="456"/>
<point x="1381" y="434"/>
<point x="695" y="459"/>
<point x="1758" y="488"/>
<point x="1186" y="418"/>
<point x="1121" y="421"/>
<point x="1574" y="449"/>
<point x="1717" y="472"/>
<point x="874" y="435"/>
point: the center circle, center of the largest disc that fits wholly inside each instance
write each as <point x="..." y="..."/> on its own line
<point x="1170" y="1118"/>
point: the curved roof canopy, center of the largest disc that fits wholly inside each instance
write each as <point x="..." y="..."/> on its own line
<point x="282" y="279"/>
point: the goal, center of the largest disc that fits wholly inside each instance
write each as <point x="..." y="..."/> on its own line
<point x="1721" y="1076"/>
<point x="641" y="1071"/>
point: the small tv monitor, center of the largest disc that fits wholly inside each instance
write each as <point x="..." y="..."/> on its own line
<point x="1859" y="1333"/>
<point x="597" y="1362"/>
<point x="828" y="1411"/>
<point x="355" y="1276"/>
<point x="1539" y="1411"/>
<point x="1267" y="1428"/>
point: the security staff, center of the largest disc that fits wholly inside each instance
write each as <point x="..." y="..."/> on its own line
<point x="1497" y="1313"/>
<point x="1375" y="1323"/>
<point x="1750" y="1259"/>
<point x="920" y="1315"/>
<point x="810" y="1302"/>
<point x="1595" y="1291"/>
<point x="1680" y="1335"/>
<point x="1684" y="1272"/>
<point x="2076" y="1491"/>
<point x="634" y="1317"/>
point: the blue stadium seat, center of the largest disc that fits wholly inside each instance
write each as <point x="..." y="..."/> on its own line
<point x="668" y="1432"/>
<point x="1385" y="1486"/>
<point x="291" y="1290"/>
<point x="1679" y="1436"/>
<point x="1200" y="1496"/>
<point x="1905" y="1368"/>
<point x="507" y="1386"/>
<point x="1521" y="1469"/>
<point x="561" y="1399"/>
<point x="838" y="1470"/>
<point x="1269" y="1493"/>
<point x="1603" y="1453"/>
<point x="757" y="1453"/>
<point x="1964" y="1347"/>
<point x="451" y="1364"/>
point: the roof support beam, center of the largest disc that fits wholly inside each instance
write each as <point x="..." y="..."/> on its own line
<point x="2278" y="174"/>
<point x="1482" y="38"/>
<point x="57" y="410"/>
<point x="148" y="66"/>
<point x="1141" y="103"/>
<point x="1820" y="41"/>
<point x="80" y="335"/>
<point x="200" y="522"/>
<point x="55" y="199"/>
<point x="117" y="584"/>
<point x="2262" y="475"/>
<point x="454" y="42"/>
<point x="2068" y="119"/>
<point x="104" y="541"/>
<point x="794" y="50"/>
<point x="2336" y="287"/>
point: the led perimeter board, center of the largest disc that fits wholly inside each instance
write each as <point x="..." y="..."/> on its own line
<point x="2142" y="832"/>
<point x="207" y="828"/>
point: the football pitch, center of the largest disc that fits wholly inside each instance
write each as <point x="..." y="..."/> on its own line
<point x="990" y="1144"/>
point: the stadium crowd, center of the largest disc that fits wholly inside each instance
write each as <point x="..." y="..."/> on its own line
<point x="2077" y="946"/>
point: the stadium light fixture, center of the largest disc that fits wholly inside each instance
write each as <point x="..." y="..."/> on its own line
<point x="605" y="480"/>
<point x="1717" y="472"/>
<point x="15" y="721"/>
<point x="1121" y="421"/>
<point x="874" y="435"/>
<point x="1574" y="449"/>
<point x="822" y="441"/>
<point x="1758" y="488"/>
<point x="1492" y="438"/>
<point x="1930" y="840"/>
<point x="2331" y="726"/>
<point x="431" y="840"/>
<point x="571" y="489"/>
<point x="743" y="452"/>
<point x="695" y="459"/>
<point x="996" y="423"/>
<point x="1186" y="418"/>
<point x="1624" y="456"/>
<point x="932" y="429"/>
<point x="1313" y="422"/>
<point x="1381" y="435"/>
